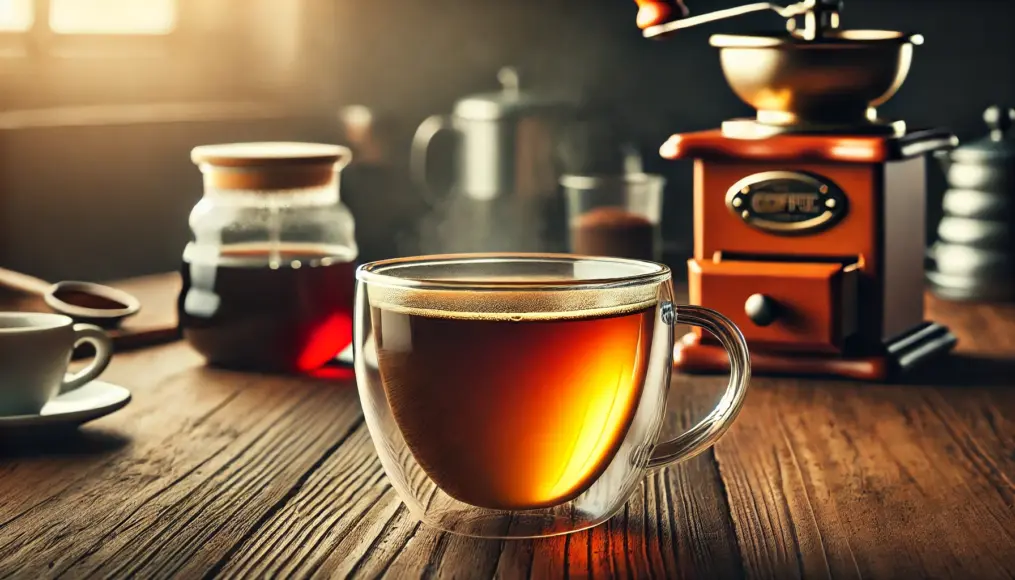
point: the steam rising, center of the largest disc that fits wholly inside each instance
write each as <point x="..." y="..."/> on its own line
<point x="590" y="144"/>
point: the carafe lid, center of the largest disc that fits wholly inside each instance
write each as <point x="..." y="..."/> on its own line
<point x="270" y="165"/>
<point x="999" y="145"/>
<point x="510" y="101"/>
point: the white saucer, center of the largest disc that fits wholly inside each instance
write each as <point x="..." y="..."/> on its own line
<point x="94" y="400"/>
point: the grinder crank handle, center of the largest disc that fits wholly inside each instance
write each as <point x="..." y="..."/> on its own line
<point x="655" y="12"/>
<point x="655" y="17"/>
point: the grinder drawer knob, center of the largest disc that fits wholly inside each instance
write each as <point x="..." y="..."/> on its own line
<point x="761" y="309"/>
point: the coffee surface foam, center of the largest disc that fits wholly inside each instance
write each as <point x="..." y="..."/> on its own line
<point x="514" y="304"/>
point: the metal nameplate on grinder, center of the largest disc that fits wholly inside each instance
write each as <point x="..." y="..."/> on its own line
<point x="787" y="202"/>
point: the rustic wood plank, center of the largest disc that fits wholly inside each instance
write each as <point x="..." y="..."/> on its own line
<point x="691" y="501"/>
<point x="516" y="560"/>
<point x="35" y="469"/>
<point x="831" y="478"/>
<point x="701" y="522"/>
<point x="601" y="560"/>
<point x="419" y="555"/>
<point x="863" y="481"/>
<point x="549" y="558"/>
<point x="346" y="521"/>
<point x="469" y="557"/>
<point x="983" y="329"/>
<point x="413" y="549"/>
<point x="211" y="514"/>
<point x="199" y="493"/>
<point x="636" y="521"/>
<point x="234" y="475"/>
<point x="320" y="514"/>
<point x="375" y="535"/>
<point x="371" y="545"/>
<point x="579" y="556"/>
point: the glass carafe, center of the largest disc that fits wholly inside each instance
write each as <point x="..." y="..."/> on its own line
<point x="268" y="276"/>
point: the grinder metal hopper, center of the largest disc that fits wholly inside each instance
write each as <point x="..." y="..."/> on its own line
<point x="813" y="78"/>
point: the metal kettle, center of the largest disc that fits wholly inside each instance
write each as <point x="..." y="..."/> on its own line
<point x="504" y="193"/>
<point x="974" y="255"/>
<point x="987" y="164"/>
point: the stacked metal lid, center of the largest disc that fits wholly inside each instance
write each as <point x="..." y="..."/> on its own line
<point x="974" y="255"/>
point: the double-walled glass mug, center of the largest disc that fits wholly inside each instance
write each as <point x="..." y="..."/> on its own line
<point x="522" y="395"/>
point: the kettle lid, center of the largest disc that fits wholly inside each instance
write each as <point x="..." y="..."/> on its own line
<point x="505" y="103"/>
<point x="998" y="145"/>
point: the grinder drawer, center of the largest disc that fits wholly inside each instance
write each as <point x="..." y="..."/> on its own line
<point x="792" y="306"/>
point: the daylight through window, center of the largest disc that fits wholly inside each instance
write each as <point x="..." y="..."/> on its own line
<point x="112" y="16"/>
<point x="16" y="15"/>
<point x="92" y="16"/>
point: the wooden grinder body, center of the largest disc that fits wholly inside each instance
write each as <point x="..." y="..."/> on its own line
<point x="846" y="283"/>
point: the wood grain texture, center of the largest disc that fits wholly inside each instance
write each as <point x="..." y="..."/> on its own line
<point x="864" y="481"/>
<point x="183" y="501"/>
<point x="216" y="474"/>
<point x="346" y="521"/>
<point x="860" y="480"/>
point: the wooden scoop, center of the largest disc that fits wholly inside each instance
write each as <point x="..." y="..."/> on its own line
<point x="83" y="301"/>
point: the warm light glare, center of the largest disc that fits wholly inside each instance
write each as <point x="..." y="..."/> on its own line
<point x="606" y="413"/>
<point x="16" y="15"/>
<point x="854" y="149"/>
<point x="112" y="16"/>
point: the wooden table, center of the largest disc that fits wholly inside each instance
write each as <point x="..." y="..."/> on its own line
<point x="212" y="473"/>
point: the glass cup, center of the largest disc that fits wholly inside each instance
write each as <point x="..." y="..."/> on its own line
<point x="522" y="395"/>
<point x="615" y="215"/>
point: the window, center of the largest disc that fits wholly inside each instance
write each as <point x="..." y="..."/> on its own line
<point x="16" y="15"/>
<point x="76" y="53"/>
<point x="112" y="16"/>
<point x="91" y="16"/>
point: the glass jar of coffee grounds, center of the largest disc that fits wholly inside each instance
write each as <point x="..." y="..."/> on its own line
<point x="615" y="215"/>
<point x="268" y="276"/>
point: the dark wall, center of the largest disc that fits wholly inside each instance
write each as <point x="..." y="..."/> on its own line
<point x="410" y="59"/>
<point x="105" y="202"/>
<point x="101" y="202"/>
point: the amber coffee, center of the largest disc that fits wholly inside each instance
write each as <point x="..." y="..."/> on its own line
<point x="513" y="412"/>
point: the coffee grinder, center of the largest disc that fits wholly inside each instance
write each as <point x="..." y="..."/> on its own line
<point x="809" y="218"/>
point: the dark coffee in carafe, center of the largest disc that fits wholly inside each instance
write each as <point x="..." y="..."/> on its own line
<point x="252" y="308"/>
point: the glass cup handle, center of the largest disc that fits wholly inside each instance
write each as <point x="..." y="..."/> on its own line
<point x="712" y="427"/>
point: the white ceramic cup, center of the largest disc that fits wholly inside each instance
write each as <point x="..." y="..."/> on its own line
<point x="35" y="349"/>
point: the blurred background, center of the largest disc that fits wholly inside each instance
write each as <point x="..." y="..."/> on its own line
<point x="102" y="100"/>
